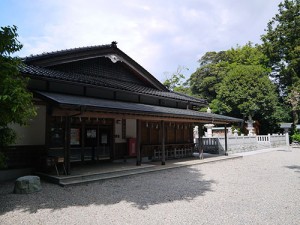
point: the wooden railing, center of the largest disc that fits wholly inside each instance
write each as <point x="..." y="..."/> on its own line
<point x="171" y="150"/>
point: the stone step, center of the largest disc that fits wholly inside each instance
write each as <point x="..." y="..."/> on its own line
<point x="102" y="176"/>
<point x="92" y="177"/>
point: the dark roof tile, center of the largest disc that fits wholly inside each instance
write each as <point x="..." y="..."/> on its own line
<point x="36" y="71"/>
<point x="101" y="104"/>
<point x="105" y="82"/>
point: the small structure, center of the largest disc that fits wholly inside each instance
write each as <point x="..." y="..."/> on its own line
<point x="250" y="127"/>
<point x="235" y="133"/>
<point x="209" y="130"/>
<point x="27" y="185"/>
<point x="220" y="131"/>
<point x="286" y="127"/>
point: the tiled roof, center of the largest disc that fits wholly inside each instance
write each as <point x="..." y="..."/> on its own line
<point x="77" y="54"/>
<point x="101" y="104"/>
<point x="63" y="52"/>
<point x="35" y="71"/>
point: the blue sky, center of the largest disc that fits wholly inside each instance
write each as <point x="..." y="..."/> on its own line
<point x="159" y="35"/>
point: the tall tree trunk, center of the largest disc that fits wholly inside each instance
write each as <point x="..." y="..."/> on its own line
<point x="295" y="118"/>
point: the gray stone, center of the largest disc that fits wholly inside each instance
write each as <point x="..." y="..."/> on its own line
<point x="27" y="185"/>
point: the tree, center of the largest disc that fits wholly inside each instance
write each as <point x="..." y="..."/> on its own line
<point x="281" y="44"/>
<point x="293" y="98"/>
<point x="214" y="67"/>
<point x="16" y="102"/>
<point x="205" y="81"/>
<point x="237" y="84"/>
<point x="247" y="90"/>
<point x="176" y="82"/>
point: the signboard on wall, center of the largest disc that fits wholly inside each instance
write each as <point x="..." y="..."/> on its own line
<point x="91" y="133"/>
<point x="104" y="139"/>
<point x="75" y="136"/>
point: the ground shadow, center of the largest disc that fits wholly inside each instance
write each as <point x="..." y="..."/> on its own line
<point x="142" y="191"/>
<point x="295" y="168"/>
<point x="284" y="150"/>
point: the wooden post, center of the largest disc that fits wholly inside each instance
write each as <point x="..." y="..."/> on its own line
<point x="163" y="137"/>
<point x="200" y="141"/>
<point x="83" y="131"/>
<point x="67" y="145"/>
<point x="138" y="142"/>
<point x="226" y="140"/>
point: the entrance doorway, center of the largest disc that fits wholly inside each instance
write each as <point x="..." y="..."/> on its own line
<point x="97" y="143"/>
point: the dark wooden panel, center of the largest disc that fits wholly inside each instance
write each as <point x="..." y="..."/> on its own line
<point x="101" y="93"/>
<point x="120" y="150"/>
<point x="35" y="84"/>
<point x="66" y="88"/>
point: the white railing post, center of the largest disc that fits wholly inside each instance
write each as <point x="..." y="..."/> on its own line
<point x="287" y="139"/>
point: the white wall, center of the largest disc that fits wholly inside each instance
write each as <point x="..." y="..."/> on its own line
<point x="118" y="131"/>
<point x="130" y="130"/>
<point x="34" y="132"/>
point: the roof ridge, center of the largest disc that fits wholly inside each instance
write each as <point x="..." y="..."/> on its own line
<point x="68" y="50"/>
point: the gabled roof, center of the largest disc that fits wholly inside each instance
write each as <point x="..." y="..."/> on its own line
<point x="78" y="54"/>
<point x="42" y="73"/>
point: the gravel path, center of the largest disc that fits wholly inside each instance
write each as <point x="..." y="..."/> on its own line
<point x="257" y="189"/>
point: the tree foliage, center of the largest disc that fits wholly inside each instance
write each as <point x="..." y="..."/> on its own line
<point x="293" y="98"/>
<point x="176" y="82"/>
<point x="281" y="44"/>
<point x="16" y="102"/>
<point x="214" y="67"/>
<point x="237" y="83"/>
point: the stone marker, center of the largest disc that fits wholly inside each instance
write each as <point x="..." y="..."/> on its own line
<point x="27" y="185"/>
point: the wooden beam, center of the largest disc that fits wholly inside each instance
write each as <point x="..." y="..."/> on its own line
<point x="124" y="115"/>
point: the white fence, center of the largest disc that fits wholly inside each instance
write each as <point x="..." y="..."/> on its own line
<point x="244" y="143"/>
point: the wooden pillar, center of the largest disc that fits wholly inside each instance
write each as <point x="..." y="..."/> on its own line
<point x="163" y="138"/>
<point x="138" y="142"/>
<point x="82" y="140"/>
<point x="200" y="140"/>
<point x="226" y="140"/>
<point x="67" y="144"/>
<point x="113" y="141"/>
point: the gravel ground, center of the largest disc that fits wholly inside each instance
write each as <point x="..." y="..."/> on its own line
<point x="257" y="189"/>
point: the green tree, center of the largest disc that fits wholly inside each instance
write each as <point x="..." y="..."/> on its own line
<point x="237" y="84"/>
<point x="16" y="102"/>
<point x="214" y="66"/>
<point x="281" y="44"/>
<point x="176" y="82"/>
<point x="293" y="98"/>
<point x="205" y="81"/>
<point x="248" y="91"/>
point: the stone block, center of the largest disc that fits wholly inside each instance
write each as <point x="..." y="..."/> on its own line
<point x="27" y="185"/>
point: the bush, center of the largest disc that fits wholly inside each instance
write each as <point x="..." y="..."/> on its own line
<point x="7" y="137"/>
<point x="2" y="161"/>
<point x="296" y="137"/>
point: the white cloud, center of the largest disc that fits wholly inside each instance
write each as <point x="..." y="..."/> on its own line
<point x="160" y="35"/>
